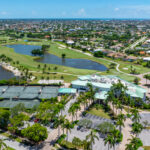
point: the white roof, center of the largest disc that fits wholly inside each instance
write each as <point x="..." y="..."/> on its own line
<point x="70" y="42"/>
<point x="97" y="50"/>
<point x="146" y="58"/>
<point x="148" y="40"/>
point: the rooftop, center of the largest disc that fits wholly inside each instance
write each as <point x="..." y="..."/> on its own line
<point x="106" y="82"/>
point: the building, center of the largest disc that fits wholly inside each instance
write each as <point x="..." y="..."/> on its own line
<point x="64" y="91"/>
<point x="104" y="83"/>
<point x="70" y="42"/>
<point x="131" y="58"/>
<point x="142" y="52"/>
<point x="146" y="59"/>
<point x="116" y="55"/>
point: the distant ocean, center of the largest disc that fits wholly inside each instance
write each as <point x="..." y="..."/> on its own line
<point x="105" y="19"/>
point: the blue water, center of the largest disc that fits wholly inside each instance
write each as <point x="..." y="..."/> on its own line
<point x="23" y="49"/>
<point x="5" y="75"/>
<point x="53" y="59"/>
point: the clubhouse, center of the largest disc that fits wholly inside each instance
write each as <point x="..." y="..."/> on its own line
<point x="104" y="83"/>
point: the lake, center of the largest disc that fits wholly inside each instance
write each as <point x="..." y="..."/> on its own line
<point x="53" y="59"/>
<point x="5" y="74"/>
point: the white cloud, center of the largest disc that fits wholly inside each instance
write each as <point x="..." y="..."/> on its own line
<point x="3" y="13"/>
<point x="81" y="12"/>
<point x="116" y="9"/>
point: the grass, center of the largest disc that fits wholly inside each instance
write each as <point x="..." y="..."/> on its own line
<point x="146" y="147"/>
<point x="10" y="148"/>
<point x="99" y="112"/>
<point x="120" y="75"/>
<point x="73" y="54"/>
<point x="148" y="128"/>
<point x="56" y="76"/>
<point x="28" y="61"/>
<point x="69" y="145"/>
<point x="127" y="109"/>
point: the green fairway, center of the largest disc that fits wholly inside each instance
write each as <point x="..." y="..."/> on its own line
<point x="28" y="62"/>
<point x="68" y="72"/>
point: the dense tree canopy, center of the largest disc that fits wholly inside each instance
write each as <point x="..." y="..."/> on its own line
<point x="35" y="133"/>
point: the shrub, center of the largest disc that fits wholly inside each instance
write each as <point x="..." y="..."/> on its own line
<point x="35" y="133"/>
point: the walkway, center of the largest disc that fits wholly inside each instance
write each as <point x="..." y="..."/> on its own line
<point x="48" y="144"/>
<point x="88" y="54"/>
<point x="141" y="76"/>
<point x="16" y="145"/>
<point x="125" y="130"/>
<point x="55" y="73"/>
<point x="135" y="43"/>
<point x="143" y="82"/>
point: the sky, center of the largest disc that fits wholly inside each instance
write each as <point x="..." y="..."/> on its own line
<point x="75" y="9"/>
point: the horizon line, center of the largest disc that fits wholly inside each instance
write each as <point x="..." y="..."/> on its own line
<point x="59" y="18"/>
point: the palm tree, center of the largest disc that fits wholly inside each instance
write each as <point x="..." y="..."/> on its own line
<point x="146" y="76"/>
<point x="77" y="142"/>
<point x="120" y="121"/>
<point x="59" y="122"/>
<point x="55" y="68"/>
<point x="113" y="138"/>
<point x="114" y="102"/>
<point x="137" y="128"/>
<point x="72" y="111"/>
<point x="128" y="102"/>
<point x="3" y="145"/>
<point x="135" y="115"/>
<point x="91" y="137"/>
<point x="116" y="137"/>
<point x="91" y="92"/>
<point x="61" y="107"/>
<point x="63" y="55"/>
<point x="49" y="68"/>
<point x="86" y="145"/>
<point x="110" y="96"/>
<point x="84" y="101"/>
<point x="45" y="66"/>
<point x="68" y="127"/>
<point x="77" y="108"/>
<point x="62" y="122"/>
<point x="39" y="66"/>
<point x="135" y="144"/>
<point x="108" y="140"/>
<point x="118" y="105"/>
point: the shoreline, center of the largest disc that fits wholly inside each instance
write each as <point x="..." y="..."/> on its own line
<point x="10" y="68"/>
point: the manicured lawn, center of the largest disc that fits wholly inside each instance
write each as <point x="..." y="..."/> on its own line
<point x="28" y="61"/>
<point x="69" y="145"/>
<point x="57" y="76"/>
<point x="99" y="112"/>
<point x="120" y="75"/>
<point x="73" y="54"/>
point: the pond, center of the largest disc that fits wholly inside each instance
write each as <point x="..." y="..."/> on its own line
<point x="53" y="59"/>
<point x="5" y="75"/>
